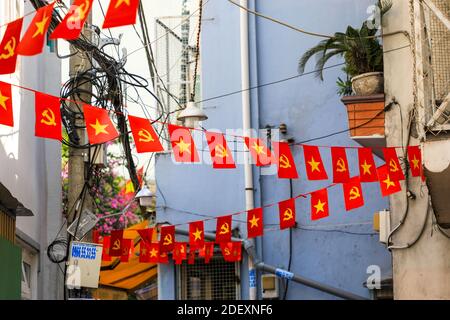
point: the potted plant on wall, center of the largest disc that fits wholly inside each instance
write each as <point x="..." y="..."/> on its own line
<point x="362" y="52"/>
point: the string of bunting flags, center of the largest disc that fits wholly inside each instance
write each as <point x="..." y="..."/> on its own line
<point x="154" y="251"/>
<point x="120" y="13"/>
<point x="100" y="129"/>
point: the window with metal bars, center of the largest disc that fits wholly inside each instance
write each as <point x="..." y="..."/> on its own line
<point x="218" y="280"/>
<point x="437" y="63"/>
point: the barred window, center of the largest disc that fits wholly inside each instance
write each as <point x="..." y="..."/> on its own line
<point x="218" y="280"/>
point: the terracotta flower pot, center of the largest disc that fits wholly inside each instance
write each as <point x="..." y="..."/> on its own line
<point x="367" y="84"/>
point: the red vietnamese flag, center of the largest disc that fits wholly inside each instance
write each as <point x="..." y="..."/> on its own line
<point x="146" y="235"/>
<point x="196" y="234"/>
<point x="255" y="223"/>
<point x="285" y="163"/>
<point x="367" y="168"/>
<point x="153" y="253"/>
<point x="145" y="137"/>
<point x="167" y="239"/>
<point x="8" y="47"/>
<point x="353" y="194"/>
<point x="6" y="108"/>
<point x="388" y="186"/>
<point x="179" y="252"/>
<point x="116" y="243"/>
<point x="106" y="247"/>
<point x="393" y="164"/>
<point x="341" y="172"/>
<point x="183" y="144"/>
<point x="127" y="250"/>
<point x="220" y="153"/>
<point x="231" y="251"/>
<point x="287" y="214"/>
<point x="319" y="205"/>
<point x="223" y="230"/>
<point x="32" y="42"/>
<point x="70" y="28"/>
<point x="121" y="13"/>
<point x="48" y="117"/>
<point x="259" y="151"/>
<point x="207" y="251"/>
<point x="315" y="169"/>
<point x="144" y="252"/>
<point x="415" y="161"/>
<point x="99" y="126"/>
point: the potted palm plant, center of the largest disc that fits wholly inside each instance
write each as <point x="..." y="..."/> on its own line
<point x="362" y="53"/>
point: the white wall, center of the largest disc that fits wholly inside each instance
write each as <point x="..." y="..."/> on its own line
<point x="30" y="166"/>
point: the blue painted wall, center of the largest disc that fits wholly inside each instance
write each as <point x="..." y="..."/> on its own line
<point x="336" y="250"/>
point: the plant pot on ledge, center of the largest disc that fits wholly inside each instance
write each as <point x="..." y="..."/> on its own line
<point x="366" y="120"/>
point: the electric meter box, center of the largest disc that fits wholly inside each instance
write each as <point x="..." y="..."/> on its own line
<point x="270" y="285"/>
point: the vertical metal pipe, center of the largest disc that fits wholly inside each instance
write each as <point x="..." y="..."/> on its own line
<point x="246" y="119"/>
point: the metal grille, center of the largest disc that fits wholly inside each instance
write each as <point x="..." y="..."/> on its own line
<point x="440" y="51"/>
<point x="437" y="65"/>
<point x="218" y="280"/>
<point x="174" y="54"/>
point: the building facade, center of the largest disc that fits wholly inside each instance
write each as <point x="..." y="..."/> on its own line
<point x="418" y="76"/>
<point x="338" y="251"/>
<point x="30" y="173"/>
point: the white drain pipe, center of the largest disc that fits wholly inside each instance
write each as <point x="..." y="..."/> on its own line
<point x="246" y="119"/>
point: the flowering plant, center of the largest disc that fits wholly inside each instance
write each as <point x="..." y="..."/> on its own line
<point x="115" y="208"/>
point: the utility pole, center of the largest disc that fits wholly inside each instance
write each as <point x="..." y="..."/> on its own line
<point x="79" y="64"/>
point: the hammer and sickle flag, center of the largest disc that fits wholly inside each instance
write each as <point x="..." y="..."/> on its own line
<point x="393" y="164"/>
<point x="48" y="117"/>
<point x="223" y="230"/>
<point x="99" y="126"/>
<point x="6" y="107"/>
<point x="286" y="164"/>
<point x="220" y="153"/>
<point x="115" y="248"/>
<point x="183" y="144"/>
<point x="353" y="194"/>
<point x="315" y="170"/>
<point x="72" y="25"/>
<point x="259" y="151"/>
<point x="32" y="42"/>
<point x="341" y="172"/>
<point x="287" y="214"/>
<point x="121" y="13"/>
<point x="8" y="47"/>
<point x="179" y="252"/>
<point x="167" y="239"/>
<point x="231" y="251"/>
<point x="127" y="250"/>
<point x="145" y="137"/>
